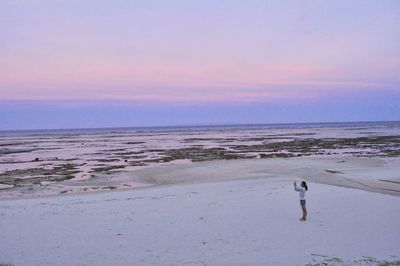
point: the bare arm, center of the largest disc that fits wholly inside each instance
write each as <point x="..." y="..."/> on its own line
<point x="295" y="186"/>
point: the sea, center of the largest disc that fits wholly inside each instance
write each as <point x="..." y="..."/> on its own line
<point x="57" y="161"/>
<point x="202" y="128"/>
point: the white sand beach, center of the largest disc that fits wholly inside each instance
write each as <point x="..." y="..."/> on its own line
<point x="252" y="220"/>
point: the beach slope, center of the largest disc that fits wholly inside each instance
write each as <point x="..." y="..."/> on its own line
<point x="236" y="222"/>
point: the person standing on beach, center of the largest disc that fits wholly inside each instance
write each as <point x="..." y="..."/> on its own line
<point x="302" y="193"/>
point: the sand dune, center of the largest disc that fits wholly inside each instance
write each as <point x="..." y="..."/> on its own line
<point x="371" y="174"/>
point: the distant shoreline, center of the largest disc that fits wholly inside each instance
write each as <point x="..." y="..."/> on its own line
<point x="195" y="127"/>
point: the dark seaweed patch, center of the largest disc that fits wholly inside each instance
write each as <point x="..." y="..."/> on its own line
<point x="106" y="169"/>
<point x="34" y="176"/>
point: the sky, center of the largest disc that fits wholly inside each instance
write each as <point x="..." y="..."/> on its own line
<point x="98" y="63"/>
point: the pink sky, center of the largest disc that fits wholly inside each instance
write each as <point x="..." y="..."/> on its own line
<point x="191" y="52"/>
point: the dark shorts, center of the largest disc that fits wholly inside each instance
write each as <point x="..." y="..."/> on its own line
<point x="303" y="202"/>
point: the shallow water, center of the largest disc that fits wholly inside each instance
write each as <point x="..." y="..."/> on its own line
<point x="77" y="160"/>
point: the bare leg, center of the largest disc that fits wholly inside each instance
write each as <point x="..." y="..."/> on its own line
<point x="303" y="207"/>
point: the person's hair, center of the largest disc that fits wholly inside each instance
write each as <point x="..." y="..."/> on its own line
<point x="304" y="184"/>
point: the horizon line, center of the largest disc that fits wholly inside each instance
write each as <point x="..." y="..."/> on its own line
<point x="199" y="126"/>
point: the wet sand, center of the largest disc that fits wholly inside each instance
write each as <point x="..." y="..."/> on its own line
<point x="40" y="164"/>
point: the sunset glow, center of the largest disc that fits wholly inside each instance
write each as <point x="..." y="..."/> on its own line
<point x="199" y="52"/>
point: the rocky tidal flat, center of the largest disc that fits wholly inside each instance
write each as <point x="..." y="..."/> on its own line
<point x="57" y="162"/>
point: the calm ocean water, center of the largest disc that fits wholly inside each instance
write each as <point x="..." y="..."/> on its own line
<point x="201" y="128"/>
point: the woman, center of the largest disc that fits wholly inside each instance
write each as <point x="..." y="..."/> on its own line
<point x="302" y="193"/>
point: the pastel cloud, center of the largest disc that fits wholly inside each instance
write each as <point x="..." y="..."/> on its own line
<point x="191" y="52"/>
